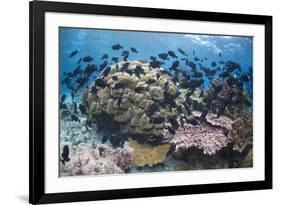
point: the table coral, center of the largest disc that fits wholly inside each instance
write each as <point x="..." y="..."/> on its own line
<point x="144" y="154"/>
<point x="202" y="136"/>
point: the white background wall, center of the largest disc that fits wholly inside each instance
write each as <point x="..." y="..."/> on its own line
<point x="14" y="99"/>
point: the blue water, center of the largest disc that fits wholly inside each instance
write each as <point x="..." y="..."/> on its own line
<point x="97" y="42"/>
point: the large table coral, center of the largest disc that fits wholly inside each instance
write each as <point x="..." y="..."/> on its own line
<point x="208" y="138"/>
<point x="137" y="98"/>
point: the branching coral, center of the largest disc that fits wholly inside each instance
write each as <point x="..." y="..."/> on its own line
<point x="147" y="155"/>
<point x="203" y="136"/>
<point x="138" y="98"/>
<point x="86" y="160"/>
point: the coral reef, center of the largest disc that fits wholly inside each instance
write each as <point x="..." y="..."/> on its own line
<point x="145" y="154"/>
<point x="202" y="136"/>
<point x="86" y="160"/>
<point x="241" y="134"/>
<point x="138" y="98"/>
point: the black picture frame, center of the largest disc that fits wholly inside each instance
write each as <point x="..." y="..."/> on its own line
<point x="37" y="9"/>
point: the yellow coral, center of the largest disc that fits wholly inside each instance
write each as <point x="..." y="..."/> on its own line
<point x="147" y="155"/>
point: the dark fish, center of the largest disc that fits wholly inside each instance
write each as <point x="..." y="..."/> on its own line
<point x="75" y="118"/>
<point x="120" y="85"/>
<point x="157" y="76"/>
<point x="157" y="120"/>
<point x="117" y="46"/>
<point x="116" y="140"/>
<point x="220" y="54"/>
<point x="192" y="65"/>
<point x="115" y="78"/>
<point x="174" y="123"/>
<point x="81" y="81"/>
<point x="191" y="120"/>
<point x="231" y="66"/>
<point x="191" y="84"/>
<point x="150" y="81"/>
<point x="82" y="109"/>
<point x="213" y="64"/>
<point x="153" y="58"/>
<point x="175" y="65"/>
<point x="196" y="59"/>
<point x="103" y="65"/>
<point x="124" y="67"/>
<point x="100" y="83"/>
<point x="185" y="75"/>
<point x="104" y="139"/>
<point x="73" y="53"/>
<point x="125" y="55"/>
<point x="94" y="90"/>
<point x="221" y="62"/>
<point x="197" y="74"/>
<point x="172" y="54"/>
<point x="139" y="89"/>
<point x="75" y="108"/>
<point x="63" y="97"/>
<point x="106" y="71"/>
<point x="125" y="52"/>
<point x="134" y="50"/>
<point x="63" y="106"/>
<point x="155" y="64"/>
<point x="182" y="52"/>
<point x="152" y="108"/>
<point x="139" y="70"/>
<point x="196" y="82"/>
<point x="171" y="130"/>
<point x="163" y="56"/>
<point x="115" y="59"/>
<point x="90" y="69"/>
<point x="65" y="154"/>
<point x="182" y="121"/>
<point x="105" y="56"/>
<point x="88" y="59"/>
<point x="79" y="61"/>
<point x="129" y="72"/>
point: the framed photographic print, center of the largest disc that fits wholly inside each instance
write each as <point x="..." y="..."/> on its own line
<point x="140" y="102"/>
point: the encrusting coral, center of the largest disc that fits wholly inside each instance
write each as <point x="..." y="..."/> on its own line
<point x="86" y="160"/>
<point x="144" y="154"/>
<point x="138" y="98"/>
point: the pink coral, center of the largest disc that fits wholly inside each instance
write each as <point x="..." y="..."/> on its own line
<point x="203" y="136"/>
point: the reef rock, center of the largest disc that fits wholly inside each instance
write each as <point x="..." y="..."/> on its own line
<point x="136" y="97"/>
<point x="86" y="160"/>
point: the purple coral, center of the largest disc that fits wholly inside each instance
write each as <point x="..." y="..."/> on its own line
<point x="203" y="136"/>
